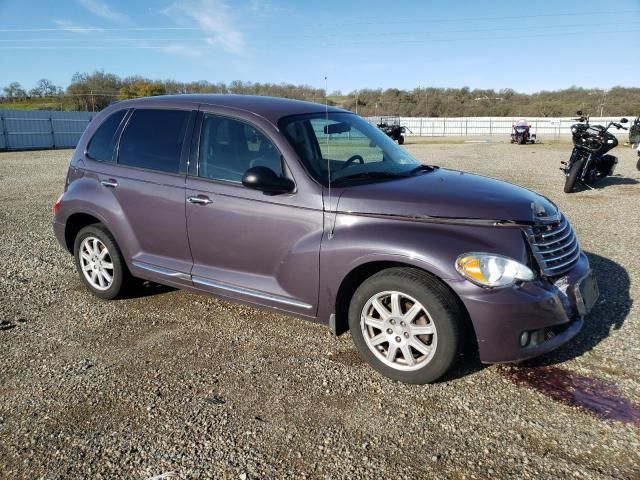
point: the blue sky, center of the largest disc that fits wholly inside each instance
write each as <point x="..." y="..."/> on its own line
<point x="521" y="44"/>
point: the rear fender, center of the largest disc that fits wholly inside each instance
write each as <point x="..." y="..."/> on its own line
<point x="85" y="195"/>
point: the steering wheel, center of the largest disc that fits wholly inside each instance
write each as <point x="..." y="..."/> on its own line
<point x="352" y="159"/>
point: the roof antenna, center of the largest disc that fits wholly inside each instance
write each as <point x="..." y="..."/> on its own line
<point x="326" y="114"/>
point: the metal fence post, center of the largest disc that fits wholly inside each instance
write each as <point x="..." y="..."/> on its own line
<point x="421" y="119"/>
<point x="490" y="128"/>
<point x="5" y="133"/>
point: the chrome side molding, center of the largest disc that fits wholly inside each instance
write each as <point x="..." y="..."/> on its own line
<point x="221" y="286"/>
<point x="162" y="271"/>
<point x="249" y="292"/>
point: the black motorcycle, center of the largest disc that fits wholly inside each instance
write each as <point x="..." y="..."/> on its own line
<point x="589" y="158"/>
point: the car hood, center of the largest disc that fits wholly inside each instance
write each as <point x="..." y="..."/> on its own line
<point x="447" y="194"/>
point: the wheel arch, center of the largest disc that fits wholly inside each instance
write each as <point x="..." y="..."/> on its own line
<point x="360" y="273"/>
<point x="76" y="222"/>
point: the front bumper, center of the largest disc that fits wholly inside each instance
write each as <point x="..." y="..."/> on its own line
<point x="551" y="314"/>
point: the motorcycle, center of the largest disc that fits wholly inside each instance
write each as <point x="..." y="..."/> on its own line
<point x="521" y="133"/>
<point x="589" y="159"/>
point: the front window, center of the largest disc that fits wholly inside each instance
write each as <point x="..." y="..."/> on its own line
<point x="347" y="148"/>
<point x="228" y="148"/>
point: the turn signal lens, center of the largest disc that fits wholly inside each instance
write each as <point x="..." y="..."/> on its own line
<point x="56" y="206"/>
<point x="492" y="271"/>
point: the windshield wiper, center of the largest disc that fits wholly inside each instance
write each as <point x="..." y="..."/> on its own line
<point x="368" y="175"/>
<point x="421" y="168"/>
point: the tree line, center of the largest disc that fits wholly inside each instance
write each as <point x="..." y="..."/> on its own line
<point x="94" y="91"/>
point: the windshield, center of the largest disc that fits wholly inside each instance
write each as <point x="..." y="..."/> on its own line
<point x="354" y="150"/>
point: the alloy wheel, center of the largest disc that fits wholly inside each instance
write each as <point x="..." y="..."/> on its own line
<point x="96" y="263"/>
<point x="399" y="330"/>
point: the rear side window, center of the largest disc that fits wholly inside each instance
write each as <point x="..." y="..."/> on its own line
<point x="153" y="139"/>
<point x="103" y="143"/>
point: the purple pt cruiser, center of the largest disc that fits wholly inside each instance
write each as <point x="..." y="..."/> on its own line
<point x="313" y="212"/>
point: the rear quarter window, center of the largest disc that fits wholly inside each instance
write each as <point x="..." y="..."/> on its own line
<point x="103" y="143"/>
<point x="153" y="139"/>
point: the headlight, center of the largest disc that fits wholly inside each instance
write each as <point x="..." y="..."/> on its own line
<point x="491" y="270"/>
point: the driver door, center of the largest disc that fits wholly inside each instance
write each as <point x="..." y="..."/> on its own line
<point x="246" y="244"/>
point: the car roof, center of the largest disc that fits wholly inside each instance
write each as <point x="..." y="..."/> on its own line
<point x="271" y="108"/>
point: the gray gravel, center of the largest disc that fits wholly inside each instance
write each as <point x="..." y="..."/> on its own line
<point x="173" y="383"/>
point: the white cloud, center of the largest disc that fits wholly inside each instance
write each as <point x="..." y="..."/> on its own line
<point x="101" y="9"/>
<point x="68" y="26"/>
<point x="214" y="19"/>
<point x="181" y="50"/>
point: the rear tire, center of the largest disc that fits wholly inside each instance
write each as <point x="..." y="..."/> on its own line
<point x="638" y="163"/>
<point x="100" y="263"/>
<point x="405" y="323"/>
<point x="572" y="177"/>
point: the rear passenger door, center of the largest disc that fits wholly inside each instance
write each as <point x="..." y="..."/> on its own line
<point x="246" y="244"/>
<point x="148" y="183"/>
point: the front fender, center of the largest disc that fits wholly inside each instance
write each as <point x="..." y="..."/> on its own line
<point x="432" y="247"/>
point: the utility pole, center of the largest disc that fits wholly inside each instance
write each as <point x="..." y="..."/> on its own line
<point x="356" y="101"/>
<point x="602" y="103"/>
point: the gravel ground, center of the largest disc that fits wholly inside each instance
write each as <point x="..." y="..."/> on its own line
<point x="175" y="384"/>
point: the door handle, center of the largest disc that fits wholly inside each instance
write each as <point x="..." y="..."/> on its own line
<point x="111" y="183"/>
<point x="199" y="200"/>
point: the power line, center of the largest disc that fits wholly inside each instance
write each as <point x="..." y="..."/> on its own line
<point x="210" y="47"/>
<point x="88" y="29"/>
<point x="463" y="19"/>
<point x="337" y="24"/>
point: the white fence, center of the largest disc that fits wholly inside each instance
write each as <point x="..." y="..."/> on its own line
<point x="492" y="126"/>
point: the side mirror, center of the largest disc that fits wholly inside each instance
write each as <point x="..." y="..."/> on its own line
<point x="623" y="120"/>
<point x="266" y="180"/>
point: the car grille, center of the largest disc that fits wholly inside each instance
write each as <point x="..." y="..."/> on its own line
<point x="555" y="247"/>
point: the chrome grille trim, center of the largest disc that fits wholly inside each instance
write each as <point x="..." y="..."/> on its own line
<point x="555" y="247"/>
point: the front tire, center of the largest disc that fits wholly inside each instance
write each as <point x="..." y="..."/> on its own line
<point x="572" y="177"/>
<point x="100" y="263"/>
<point x="405" y="323"/>
<point x="401" y="140"/>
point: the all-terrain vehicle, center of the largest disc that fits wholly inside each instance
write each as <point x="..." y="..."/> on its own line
<point x="391" y="126"/>
<point x="634" y="133"/>
<point x="521" y="133"/>
<point x="634" y="138"/>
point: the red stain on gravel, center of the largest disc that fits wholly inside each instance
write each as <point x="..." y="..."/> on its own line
<point x="597" y="397"/>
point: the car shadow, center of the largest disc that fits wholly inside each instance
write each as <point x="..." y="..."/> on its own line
<point x="145" y="288"/>
<point x="608" y="314"/>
